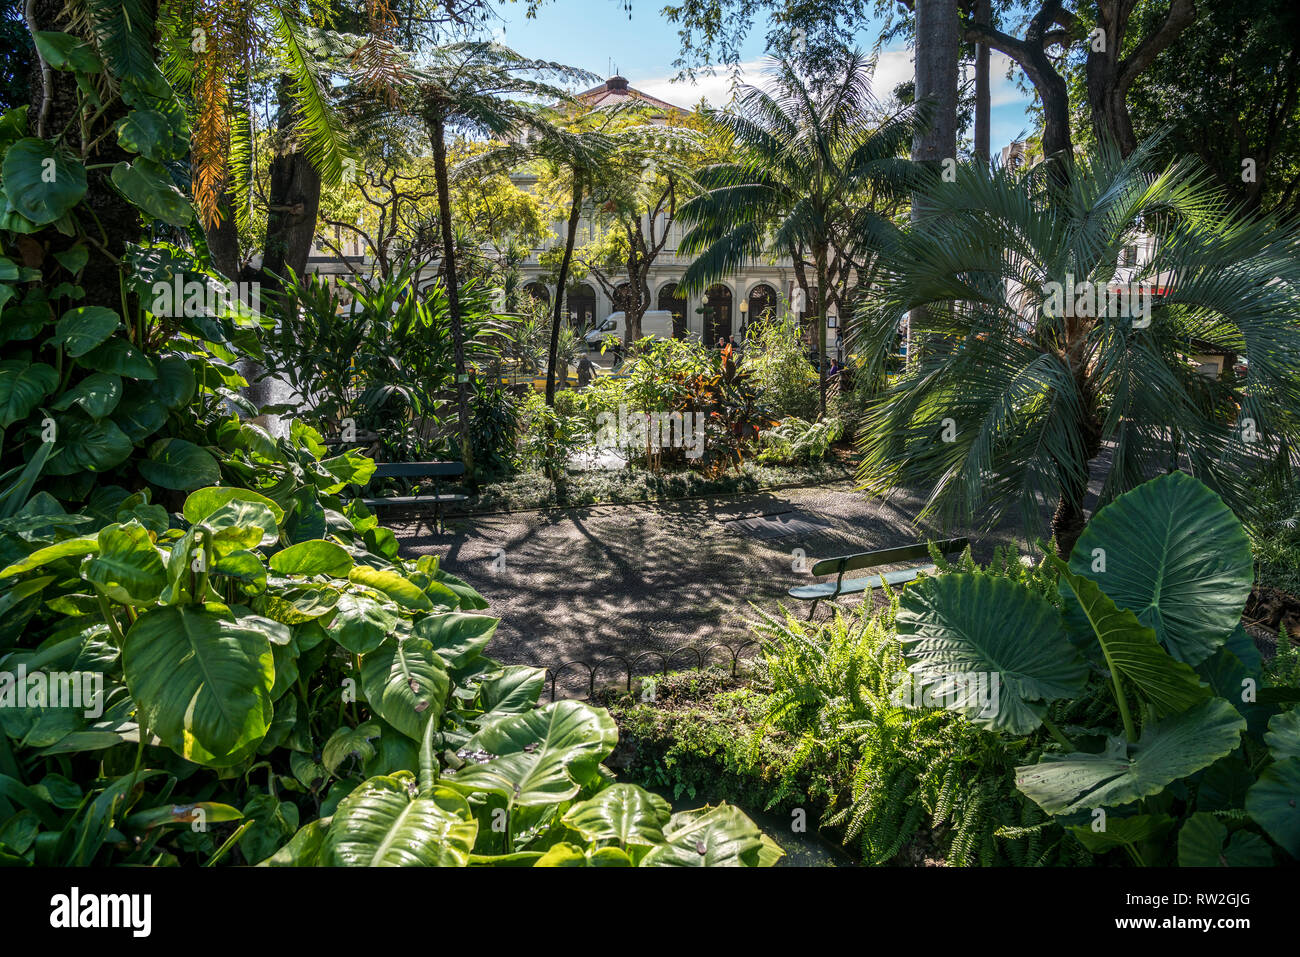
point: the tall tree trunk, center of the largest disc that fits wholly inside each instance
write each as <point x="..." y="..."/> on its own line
<point x="937" y="43"/>
<point x="292" y="202"/>
<point x="575" y="211"/>
<point x="437" y="134"/>
<point x="823" y="297"/>
<point x="983" y="99"/>
<point x="53" y="110"/>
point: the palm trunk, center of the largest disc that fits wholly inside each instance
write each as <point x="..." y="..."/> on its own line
<point x="823" y="296"/>
<point x="575" y="211"/>
<point x="437" y="135"/>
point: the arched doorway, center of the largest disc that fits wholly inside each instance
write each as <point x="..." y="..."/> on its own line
<point x="669" y="301"/>
<point x="580" y="304"/>
<point x="717" y="314"/>
<point x="539" y="292"/>
<point x="761" y="304"/>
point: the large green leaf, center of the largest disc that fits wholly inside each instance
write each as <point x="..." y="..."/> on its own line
<point x="1273" y="802"/>
<point x="720" y="836"/>
<point x="1166" y="752"/>
<point x="242" y="522"/>
<point x="84" y="445"/>
<point x="22" y="386"/>
<point x="71" y="547"/>
<point x="1203" y="842"/>
<point x="406" y="684"/>
<point x="98" y="395"/>
<point x="516" y="689"/>
<point x="1177" y="557"/>
<point x="360" y="624"/>
<point x="383" y="823"/>
<point x="41" y="181"/>
<point x="148" y="185"/>
<point x="63" y="51"/>
<point x="203" y="502"/>
<point x="457" y="637"/>
<point x="202" y="681"/>
<point x="1283" y="735"/>
<point x="84" y="328"/>
<point x="621" y="812"/>
<point x="1132" y="649"/>
<point x="178" y="464"/>
<point x="119" y="357"/>
<point x="316" y="557"/>
<point x="127" y="567"/>
<point x="988" y="648"/>
<point x="393" y="584"/>
<point x="543" y="756"/>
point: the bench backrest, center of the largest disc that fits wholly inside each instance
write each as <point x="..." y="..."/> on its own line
<point x="885" y="556"/>
<point x="418" y="469"/>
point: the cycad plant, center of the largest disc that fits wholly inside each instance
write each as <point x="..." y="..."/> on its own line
<point x="812" y="164"/>
<point x="1030" y="365"/>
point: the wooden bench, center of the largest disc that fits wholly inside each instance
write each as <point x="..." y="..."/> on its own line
<point x="830" y="590"/>
<point x="417" y="470"/>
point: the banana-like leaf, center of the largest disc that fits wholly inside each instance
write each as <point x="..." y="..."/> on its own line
<point x="386" y="823"/>
<point x="988" y="648"/>
<point x="393" y="584"/>
<point x="406" y="684"/>
<point x="1166" y="751"/>
<point x="1273" y="802"/>
<point x="1174" y="555"/>
<point x="1132" y="649"/>
<point x="621" y="812"/>
<point x="543" y="756"/>
<point x="719" y="836"/>
<point x="202" y="680"/>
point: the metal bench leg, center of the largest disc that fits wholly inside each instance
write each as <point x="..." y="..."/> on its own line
<point x="813" y="610"/>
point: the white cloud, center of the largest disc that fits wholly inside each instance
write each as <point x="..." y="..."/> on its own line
<point x="716" y="89"/>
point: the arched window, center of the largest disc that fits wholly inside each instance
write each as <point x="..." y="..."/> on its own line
<point x="539" y="292"/>
<point x="762" y="303"/>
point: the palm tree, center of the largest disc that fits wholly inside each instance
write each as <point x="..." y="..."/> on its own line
<point x="468" y="87"/>
<point x="1015" y="393"/>
<point x="807" y="162"/>
<point x="591" y="157"/>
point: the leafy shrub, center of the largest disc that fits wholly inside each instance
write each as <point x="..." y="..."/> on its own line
<point x="797" y="440"/>
<point x="775" y="355"/>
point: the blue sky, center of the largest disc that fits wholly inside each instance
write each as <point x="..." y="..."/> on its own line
<point x="642" y="45"/>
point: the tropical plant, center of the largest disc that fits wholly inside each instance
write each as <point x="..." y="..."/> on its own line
<point x="797" y="440"/>
<point x="1024" y="378"/>
<point x="1197" y="762"/>
<point x="816" y="164"/>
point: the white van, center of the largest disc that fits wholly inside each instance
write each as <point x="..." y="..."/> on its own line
<point x="655" y="322"/>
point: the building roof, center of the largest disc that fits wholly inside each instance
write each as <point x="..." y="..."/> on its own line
<point x="616" y="90"/>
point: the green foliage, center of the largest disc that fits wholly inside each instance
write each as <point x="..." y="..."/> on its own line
<point x="1151" y="603"/>
<point x="776" y="356"/>
<point x="797" y="440"/>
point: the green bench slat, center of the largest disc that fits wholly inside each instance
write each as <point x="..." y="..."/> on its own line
<point x="851" y="586"/>
<point x="884" y="556"/>
<point x="411" y="499"/>
<point x="418" y="469"/>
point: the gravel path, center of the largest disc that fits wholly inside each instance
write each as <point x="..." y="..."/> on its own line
<point x="583" y="583"/>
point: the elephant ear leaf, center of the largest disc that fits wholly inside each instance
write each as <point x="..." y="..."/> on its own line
<point x="386" y="822"/>
<point x="406" y="683"/>
<point x="1283" y="735"/>
<point x="543" y="756"/>
<point x="1131" y="649"/>
<point x="622" y="812"/>
<point x="1167" y="751"/>
<point x="202" y="680"/>
<point x="1203" y="842"/>
<point x="963" y="632"/>
<point x="719" y="836"/>
<point x="1272" y="803"/>
<point x="1173" y="553"/>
